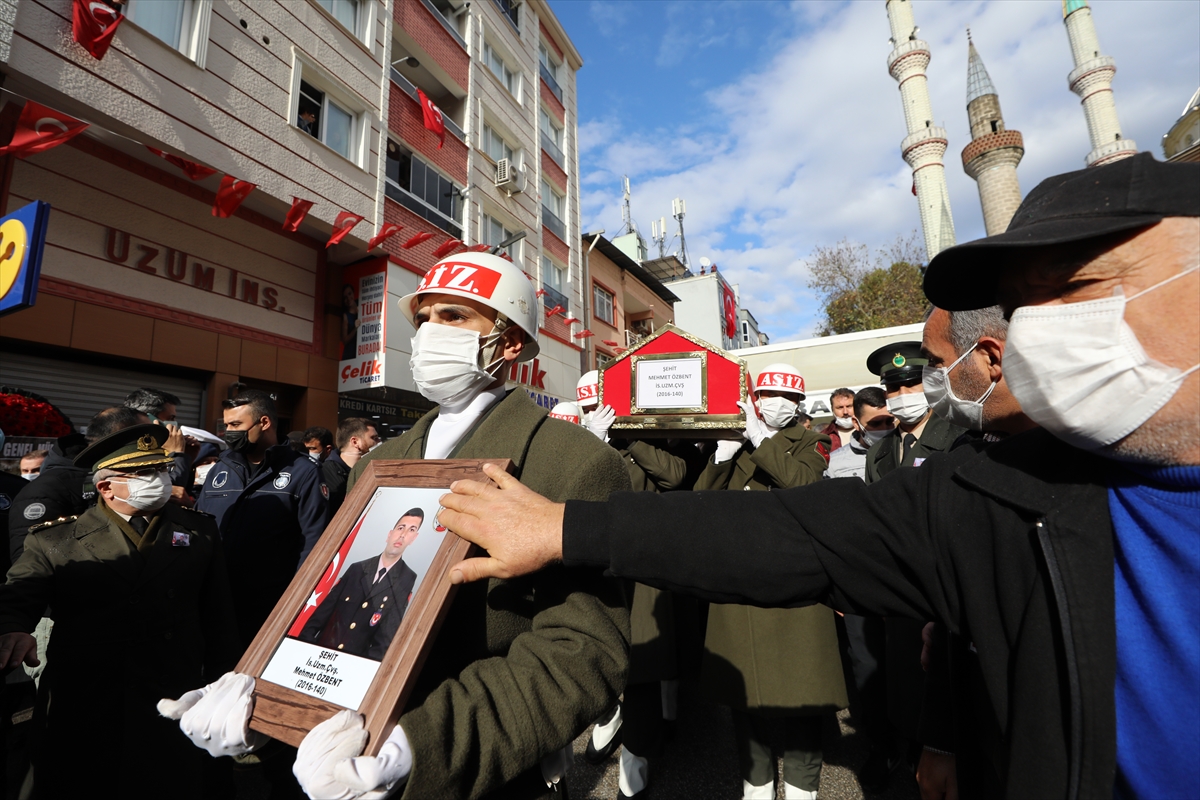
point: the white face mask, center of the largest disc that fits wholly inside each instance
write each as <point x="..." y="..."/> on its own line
<point x="202" y="473"/>
<point x="777" y="412"/>
<point x="845" y="423"/>
<point x="147" y="494"/>
<point x="946" y="404"/>
<point x="871" y="437"/>
<point x="908" y="408"/>
<point x="446" y="364"/>
<point x="1078" y="370"/>
<point x="29" y="475"/>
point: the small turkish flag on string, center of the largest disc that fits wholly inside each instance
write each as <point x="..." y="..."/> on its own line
<point x="423" y="236"/>
<point x="478" y="248"/>
<point x="556" y="310"/>
<point x="296" y="214"/>
<point x="344" y="223"/>
<point x="540" y="292"/>
<point x="230" y="195"/>
<point x="432" y="117"/>
<point x="40" y="128"/>
<point x="447" y="247"/>
<point x="584" y="334"/>
<point x="506" y="257"/>
<point x="93" y="23"/>
<point x="388" y="230"/>
<point x="196" y="172"/>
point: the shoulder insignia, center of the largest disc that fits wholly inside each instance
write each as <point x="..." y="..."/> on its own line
<point x="43" y="525"/>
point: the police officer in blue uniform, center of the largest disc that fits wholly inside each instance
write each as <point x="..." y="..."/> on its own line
<point x="270" y="505"/>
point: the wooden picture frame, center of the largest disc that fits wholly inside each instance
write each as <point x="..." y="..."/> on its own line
<point x="287" y="713"/>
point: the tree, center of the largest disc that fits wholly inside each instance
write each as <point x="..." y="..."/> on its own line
<point x="859" y="292"/>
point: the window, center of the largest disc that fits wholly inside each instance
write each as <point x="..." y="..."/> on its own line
<point x="554" y="282"/>
<point x="325" y="120"/>
<point x="180" y="24"/>
<point x="548" y="61"/>
<point x="509" y="9"/>
<point x="422" y="189"/>
<point x="344" y="11"/>
<point x="495" y="146"/>
<point x="549" y="126"/>
<point x="602" y="304"/>
<point x="493" y="232"/>
<point x="496" y="64"/>
<point x="553" y="204"/>
<point x="603" y="360"/>
<point x="745" y="331"/>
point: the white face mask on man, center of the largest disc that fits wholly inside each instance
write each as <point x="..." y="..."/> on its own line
<point x="445" y="363"/>
<point x="908" y="408"/>
<point x="778" y="412"/>
<point x="946" y="404"/>
<point x="146" y="493"/>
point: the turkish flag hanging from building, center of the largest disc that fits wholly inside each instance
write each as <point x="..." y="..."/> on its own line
<point x="388" y="230"/>
<point x="328" y="581"/>
<point x="40" y="128"/>
<point x="432" y="117"/>
<point x="342" y="225"/>
<point x="93" y="23"/>
<point x="730" y="306"/>
<point x="446" y="247"/>
<point x="296" y="214"/>
<point x="423" y="236"/>
<point x="196" y="172"/>
<point x="230" y="195"/>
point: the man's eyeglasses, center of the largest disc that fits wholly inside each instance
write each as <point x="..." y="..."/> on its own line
<point x="145" y="474"/>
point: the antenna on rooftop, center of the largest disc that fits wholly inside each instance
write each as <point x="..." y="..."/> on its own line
<point x="626" y="213"/>
<point x="679" y="211"/>
<point x="658" y="232"/>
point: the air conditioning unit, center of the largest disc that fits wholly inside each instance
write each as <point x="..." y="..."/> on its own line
<point x="510" y="176"/>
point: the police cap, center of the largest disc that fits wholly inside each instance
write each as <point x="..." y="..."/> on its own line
<point x="129" y="448"/>
<point x="898" y="362"/>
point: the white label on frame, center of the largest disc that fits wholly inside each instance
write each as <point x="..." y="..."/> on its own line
<point x="325" y="674"/>
<point x="670" y="383"/>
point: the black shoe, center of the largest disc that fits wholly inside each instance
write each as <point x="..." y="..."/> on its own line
<point x="876" y="773"/>
<point x="595" y="756"/>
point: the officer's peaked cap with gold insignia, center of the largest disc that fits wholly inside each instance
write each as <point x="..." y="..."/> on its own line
<point x="129" y="448"/>
<point x="898" y="362"/>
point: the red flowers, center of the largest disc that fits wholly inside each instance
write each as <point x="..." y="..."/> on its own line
<point x="26" y="414"/>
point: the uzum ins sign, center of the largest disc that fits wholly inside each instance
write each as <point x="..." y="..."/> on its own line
<point x="674" y="383"/>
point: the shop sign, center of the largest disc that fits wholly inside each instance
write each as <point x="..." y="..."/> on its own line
<point x="22" y="236"/>
<point x="363" y="326"/>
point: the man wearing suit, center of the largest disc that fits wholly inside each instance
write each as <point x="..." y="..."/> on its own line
<point x="374" y="595"/>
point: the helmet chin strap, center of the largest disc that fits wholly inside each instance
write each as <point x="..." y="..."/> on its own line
<point x="491" y="361"/>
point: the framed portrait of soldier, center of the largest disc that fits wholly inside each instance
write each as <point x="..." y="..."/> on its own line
<point x="355" y="624"/>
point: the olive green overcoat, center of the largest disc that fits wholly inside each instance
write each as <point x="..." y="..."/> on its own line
<point x="773" y="660"/>
<point x="131" y="626"/>
<point x="522" y="667"/>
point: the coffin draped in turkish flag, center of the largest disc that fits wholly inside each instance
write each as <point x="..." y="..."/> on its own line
<point x="40" y="128"/>
<point x="93" y="23"/>
<point x="431" y="115"/>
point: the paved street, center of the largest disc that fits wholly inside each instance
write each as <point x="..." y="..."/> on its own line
<point x="700" y="765"/>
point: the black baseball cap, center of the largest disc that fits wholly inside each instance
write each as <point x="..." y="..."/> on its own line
<point x="1125" y="195"/>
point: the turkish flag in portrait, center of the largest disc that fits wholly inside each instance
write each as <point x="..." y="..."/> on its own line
<point x="342" y="226"/>
<point x="230" y="195"/>
<point x="388" y="230"/>
<point x="40" y="128"/>
<point x="328" y="580"/>
<point x="296" y="214"/>
<point x="423" y="236"/>
<point x="93" y="23"/>
<point x="730" y="306"/>
<point x="432" y="116"/>
<point x="196" y="172"/>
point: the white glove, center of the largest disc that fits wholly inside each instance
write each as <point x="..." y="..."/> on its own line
<point x="217" y="717"/>
<point x="726" y="450"/>
<point x="756" y="430"/>
<point x="329" y="767"/>
<point x="600" y="421"/>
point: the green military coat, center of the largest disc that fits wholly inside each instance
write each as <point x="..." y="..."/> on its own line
<point x="887" y="454"/>
<point x="131" y="626"/>
<point x="522" y="667"/>
<point x="773" y="660"/>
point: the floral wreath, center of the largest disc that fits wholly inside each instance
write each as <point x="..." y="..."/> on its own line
<point x="24" y="413"/>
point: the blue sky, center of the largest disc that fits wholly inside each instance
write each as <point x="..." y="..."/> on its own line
<point x="779" y="125"/>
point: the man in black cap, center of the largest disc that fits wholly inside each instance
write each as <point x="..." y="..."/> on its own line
<point x="142" y="610"/>
<point x="1067" y="554"/>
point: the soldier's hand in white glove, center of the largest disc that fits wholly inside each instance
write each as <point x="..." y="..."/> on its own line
<point x="727" y="449"/>
<point x="328" y="765"/>
<point x="217" y="717"/>
<point x="756" y="430"/>
<point x="600" y="421"/>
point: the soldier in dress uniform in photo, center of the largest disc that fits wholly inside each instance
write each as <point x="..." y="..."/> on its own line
<point x="365" y="608"/>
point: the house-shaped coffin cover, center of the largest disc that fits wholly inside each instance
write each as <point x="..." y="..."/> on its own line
<point x="673" y="384"/>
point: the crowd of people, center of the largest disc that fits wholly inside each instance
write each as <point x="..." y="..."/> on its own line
<point x="991" y="558"/>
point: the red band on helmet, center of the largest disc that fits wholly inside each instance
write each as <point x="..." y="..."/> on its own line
<point x="567" y="417"/>
<point x="780" y="380"/>
<point x="460" y="276"/>
<point x="589" y="392"/>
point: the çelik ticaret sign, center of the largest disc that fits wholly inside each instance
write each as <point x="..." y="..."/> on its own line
<point x="22" y="236"/>
<point x="363" y="326"/>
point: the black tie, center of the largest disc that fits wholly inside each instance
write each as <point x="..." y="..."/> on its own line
<point x="380" y="575"/>
<point x="909" y="441"/>
<point x="139" y="524"/>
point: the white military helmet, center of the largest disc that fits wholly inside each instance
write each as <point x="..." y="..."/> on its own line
<point x="488" y="279"/>
<point x="566" y="411"/>
<point x="587" y="391"/>
<point x="780" y="378"/>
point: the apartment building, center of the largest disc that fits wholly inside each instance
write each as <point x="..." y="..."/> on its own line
<point x="312" y="99"/>
<point x="627" y="302"/>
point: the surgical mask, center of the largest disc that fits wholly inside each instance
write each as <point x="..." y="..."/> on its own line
<point x="446" y="360"/>
<point x="946" y="404"/>
<point x="908" y="408"/>
<point x="239" y="441"/>
<point x="147" y="494"/>
<point x="29" y="475"/>
<point x="1078" y="370"/>
<point x="777" y="412"/>
<point x="845" y="423"/>
<point x="870" y="437"/>
<point x="202" y="473"/>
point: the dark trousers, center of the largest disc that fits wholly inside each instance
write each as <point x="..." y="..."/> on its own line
<point x="641" y="719"/>
<point x="867" y="652"/>
<point x="798" y="737"/>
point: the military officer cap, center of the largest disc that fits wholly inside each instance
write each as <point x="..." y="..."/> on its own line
<point x="130" y="448"/>
<point x="898" y="362"/>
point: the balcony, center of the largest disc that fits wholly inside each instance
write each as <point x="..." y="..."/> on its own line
<point x="449" y="25"/>
<point x="555" y="225"/>
<point x="409" y="89"/>
<point x="554" y="151"/>
<point x="550" y="82"/>
<point x="422" y="209"/>
<point x="553" y="298"/>
<point x="509" y="9"/>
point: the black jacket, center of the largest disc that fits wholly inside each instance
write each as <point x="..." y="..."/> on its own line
<point x="335" y="471"/>
<point x="61" y="490"/>
<point x="1010" y="546"/>
<point x="360" y="616"/>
